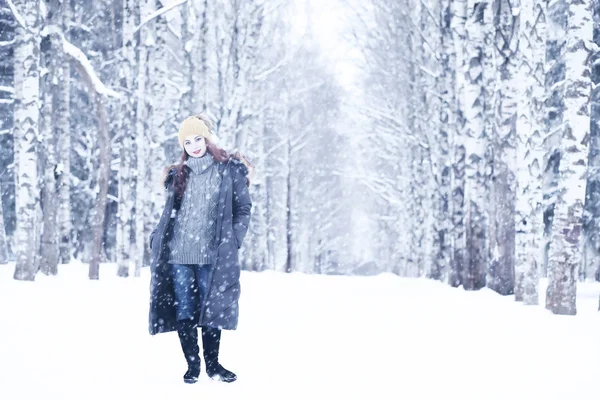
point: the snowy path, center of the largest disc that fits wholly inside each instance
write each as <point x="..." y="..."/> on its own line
<point x="300" y="336"/>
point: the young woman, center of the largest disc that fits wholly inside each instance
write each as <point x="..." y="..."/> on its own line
<point x="195" y="270"/>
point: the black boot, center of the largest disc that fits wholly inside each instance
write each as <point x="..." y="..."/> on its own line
<point x="211" y="339"/>
<point x="188" y="336"/>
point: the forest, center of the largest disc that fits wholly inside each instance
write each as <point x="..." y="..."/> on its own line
<point x="466" y="150"/>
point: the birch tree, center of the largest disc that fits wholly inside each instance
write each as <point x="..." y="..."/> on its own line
<point x="7" y="40"/>
<point x="591" y="222"/>
<point x="55" y="202"/>
<point x="25" y="132"/>
<point x="501" y="268"/>
<point x="447" y="126"/>
<point x="47" y="161"/>
<point x="459" y="255"/>
<point x="431" y="155"/>
<point x="564" y="253"/>
<point x="125" y="232"/>
<point x="61" y="90"/>
<point x="158" y="118"/>
<point x="473" y="276"/>
<point x="141" y="139"/>
<point x="3" y="241"/>
<point x="189" y="39"/>
<point x="556" y="23"/>
<point x="98" y="214"/>
<point x="530" y="133"/>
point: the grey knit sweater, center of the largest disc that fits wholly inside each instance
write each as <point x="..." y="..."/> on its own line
<point x="194" y="229"/>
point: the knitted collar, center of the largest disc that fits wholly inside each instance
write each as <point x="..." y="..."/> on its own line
<point x="199" y="165"/>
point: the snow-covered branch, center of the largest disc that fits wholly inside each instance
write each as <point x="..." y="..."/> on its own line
<point x="158" y="13"/>
<point x="18" y="17"/>
<point x="85" y="65"/>
<point x="7" y="43"/>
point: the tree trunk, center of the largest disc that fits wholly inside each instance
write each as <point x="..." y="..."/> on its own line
<point x="473" y="277"/>
<point x="158" y="70"/>
<point x="432" y="160"/>
<point x="591" y="215"/>
<point x="490" y="88"/>
<point x="99" y="212"/>
<point x="204" y="43"/>
<point x="125" y="228"/>
<point x="57" y="128"/>
<point x="564" y="253"/>
<point x="26" y="119"/>
<point x="142" y="205"/>
<point x="447" y="84"/>
<point x="190" y="41"/>
<point x="530" y="133"/>
<point x="3" y="242"/>
<point x="556" y="22"/>
<point x="289" y="226"/>
<point x="63" y="134"/>
<point x="47" y="159"/>
<point x="501" y="268"/>
<point x="459" y="255"/>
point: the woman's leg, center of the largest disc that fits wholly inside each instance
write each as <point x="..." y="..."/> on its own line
<point x="211" y="337"/>
<point x="211" y="341"/>
<point x="186" y="292"/>
<point x="202" y="276"/>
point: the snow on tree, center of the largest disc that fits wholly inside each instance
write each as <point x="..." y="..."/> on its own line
<point x="565" y="251"/>
<point x="530" y="131"/>
<point x="127" y="149"/>
<point x="447" y="87"/>
<point x="501" y="268"/>
<point x="26" y="135"/>
<point x="3" y="241"/>
<point x="7" y="40"/>
<point x="475" y="140"/>
<point x="590" y="268"/>
<point x="61" y="91"/>
<point x="459" y="250"/>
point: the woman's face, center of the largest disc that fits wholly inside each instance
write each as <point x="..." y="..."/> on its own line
<point x="195" y="146"/>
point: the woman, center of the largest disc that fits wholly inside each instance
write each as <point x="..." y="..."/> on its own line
<point x="195" y="270"/>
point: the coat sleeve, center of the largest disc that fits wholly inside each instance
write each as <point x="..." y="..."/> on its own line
<point x="168" y="183"/>
<point x="241" y="202"/>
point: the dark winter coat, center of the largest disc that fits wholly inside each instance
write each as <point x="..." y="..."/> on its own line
<point x="220" y="308"/>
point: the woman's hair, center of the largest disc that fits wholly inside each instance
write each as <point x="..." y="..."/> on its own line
<point x="181" y="176"/>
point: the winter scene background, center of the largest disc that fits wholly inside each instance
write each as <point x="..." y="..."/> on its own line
<point x="426" y="197"/>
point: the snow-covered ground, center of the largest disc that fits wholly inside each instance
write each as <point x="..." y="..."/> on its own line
<point x="299" y="336"/>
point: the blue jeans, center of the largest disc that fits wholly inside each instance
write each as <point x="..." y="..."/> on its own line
<point x="190" y="282"/>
